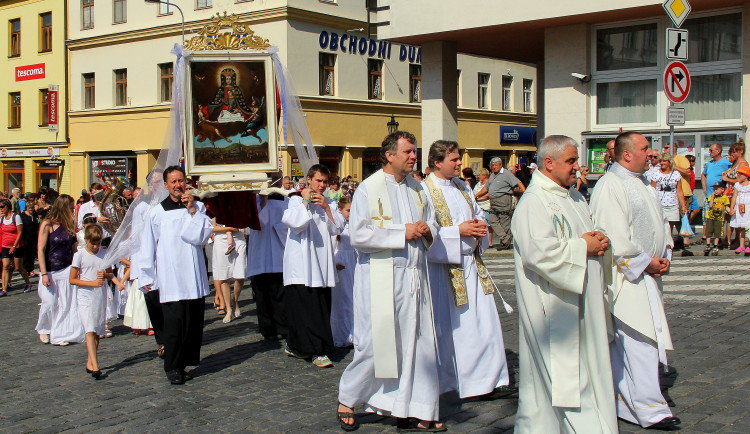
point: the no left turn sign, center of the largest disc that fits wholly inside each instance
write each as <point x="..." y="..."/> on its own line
<point x="676" y="82"/>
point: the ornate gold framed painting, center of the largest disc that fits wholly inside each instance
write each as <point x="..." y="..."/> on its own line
<point x="230" y="110"/>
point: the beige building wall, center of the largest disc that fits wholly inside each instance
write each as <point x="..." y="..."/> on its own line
<point x="566" y="100"/>
<point x="31" y="135"/>
<point x="348" y="122"/>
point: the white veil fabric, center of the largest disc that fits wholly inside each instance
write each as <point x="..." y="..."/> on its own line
<point x="127" y="238"/>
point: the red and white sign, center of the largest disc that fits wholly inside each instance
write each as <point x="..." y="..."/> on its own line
<point x="676" y="82"/>
<point x="33" y="152"/>
<point x="52" y="102"/>
<point x="30" y="72"/>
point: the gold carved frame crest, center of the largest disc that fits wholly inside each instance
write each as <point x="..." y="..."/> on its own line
<point x="211" y="37"/>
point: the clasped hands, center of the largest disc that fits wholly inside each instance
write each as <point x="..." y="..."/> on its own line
<point x="596" y="243"/>
<point x="658" y="267"/>
<point x="473" y="228"/>
<point x="417" y="230"/>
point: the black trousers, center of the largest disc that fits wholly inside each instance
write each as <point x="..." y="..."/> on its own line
<point x="29" y="254"/>
<point x="153" y="305"/>
<point x="183" y="333"/>
<point x="308" y="311"/>
<point x="269" y="301"/>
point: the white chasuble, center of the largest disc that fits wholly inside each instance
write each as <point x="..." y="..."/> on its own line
<point x="171" y="254"/>
<point x="565" y="374"/>
<point x="409" y="340"/>
<point x="470" y="339"/>
<point x="627" y="207"/>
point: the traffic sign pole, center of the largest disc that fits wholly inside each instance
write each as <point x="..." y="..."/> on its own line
<point x="673" y="147"/>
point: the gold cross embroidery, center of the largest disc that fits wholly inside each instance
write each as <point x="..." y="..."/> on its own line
<point x="420" y="203"/>
<point x="624" y="263"/>
<point x="380" y="218"/>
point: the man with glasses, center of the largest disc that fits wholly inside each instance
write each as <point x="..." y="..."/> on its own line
<point x="610" y="155"/>
<point x="653" y="163"/>
<point x="712" y="174"/>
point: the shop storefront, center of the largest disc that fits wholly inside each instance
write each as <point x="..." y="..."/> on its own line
<point x="107" y="169"/>
<point x="695" y="143"/>
<point x="32" y="168"/>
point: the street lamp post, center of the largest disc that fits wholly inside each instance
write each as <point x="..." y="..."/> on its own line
<point x="392" y="125"/>
<point x="178" y="9"/>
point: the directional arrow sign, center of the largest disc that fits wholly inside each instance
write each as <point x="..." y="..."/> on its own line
<point x="676" y="82"/>
<point x="677" y="10"/>
<point x="677" y="44"/>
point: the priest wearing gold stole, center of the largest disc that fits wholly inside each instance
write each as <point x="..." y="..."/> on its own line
<point x="470" y="339"/>
<point x="394" y="371"/>
<point x="566" y="379"/>
<point x="626" y="206"/>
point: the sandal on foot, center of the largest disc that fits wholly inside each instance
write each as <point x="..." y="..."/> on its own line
<point x="341" y="415"/>
<point x="412" y="425"/>
<point x="222" y="312"/>
<point x="160" y="351"/>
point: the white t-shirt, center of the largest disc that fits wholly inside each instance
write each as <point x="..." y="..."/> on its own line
<point x="88" y="264"/>
<point x="14" y="218"/>
<point x="666" y="186"/>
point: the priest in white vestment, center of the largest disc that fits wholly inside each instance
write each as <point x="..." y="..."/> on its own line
<point x="394" y="371"/>
<point x="565" y="376"/>
<point x="470" y="339"/>
<point x="626" y="207"/>
<point x="171" y="257"/>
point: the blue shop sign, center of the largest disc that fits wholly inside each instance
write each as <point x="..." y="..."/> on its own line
<point x="517" y="135"/>
<point x="352" y="44"/>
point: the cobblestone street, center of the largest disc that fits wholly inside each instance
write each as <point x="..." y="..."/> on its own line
<point x="244" y="384"/>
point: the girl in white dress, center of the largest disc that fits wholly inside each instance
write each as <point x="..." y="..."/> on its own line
<point x="342" y="310"/>
<point x="229" y="266"/>
<point x="740" y="207"/>
<point x="136" y="313"/>
<point x="87" y="273"/>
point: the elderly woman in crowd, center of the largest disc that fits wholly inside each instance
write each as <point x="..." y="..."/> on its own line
<point x="668" y="186"/>
<point x="483" y="200"/>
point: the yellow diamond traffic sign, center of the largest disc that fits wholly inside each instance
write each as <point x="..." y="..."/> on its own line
<point x="677" y="10"/>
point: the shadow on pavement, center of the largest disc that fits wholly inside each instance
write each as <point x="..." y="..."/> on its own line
<point x="233" y="356"/>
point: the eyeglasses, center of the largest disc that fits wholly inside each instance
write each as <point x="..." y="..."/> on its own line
<point x="653" y="157"/>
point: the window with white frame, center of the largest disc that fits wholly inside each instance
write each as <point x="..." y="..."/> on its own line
<point x="527" y="83"/>
<point x="627" y="71"/>
<point x="483" y="90"/>
<point x="507" y="92"/>
<point x="204" y="4"/>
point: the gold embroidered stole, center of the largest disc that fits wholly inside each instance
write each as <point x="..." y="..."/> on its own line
<point x="443" y="216"/>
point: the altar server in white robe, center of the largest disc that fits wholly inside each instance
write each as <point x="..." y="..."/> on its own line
<point x="565" y="376"/>
<point x="265" y="265"/>
<point x="627" y="208"/>
<point x="150" y="295"/>
<point x="171" y="256"/>
<point x="394" y="370"/>
<point x="309" y="269"/>
<point x="470" y="339"/>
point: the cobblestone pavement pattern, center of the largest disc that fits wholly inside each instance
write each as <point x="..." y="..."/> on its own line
<point x="246" y="385"/>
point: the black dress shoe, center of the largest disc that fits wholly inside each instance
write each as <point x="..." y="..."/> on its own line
<point x="666" y="424"/>
<point x="175" y="377"/>
<point x="186" y="376"/>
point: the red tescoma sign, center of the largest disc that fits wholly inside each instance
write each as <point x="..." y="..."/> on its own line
<point x="52" y="101"/>
<point x="30" y="72"/>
